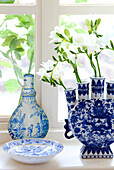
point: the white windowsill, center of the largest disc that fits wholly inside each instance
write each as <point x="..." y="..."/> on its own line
<point x="68" y="159"/>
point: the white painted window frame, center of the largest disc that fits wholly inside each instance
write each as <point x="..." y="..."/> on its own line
<point x="47" y="17"/>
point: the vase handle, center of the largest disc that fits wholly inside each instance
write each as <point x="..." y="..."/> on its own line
<point x="66" y="126"/>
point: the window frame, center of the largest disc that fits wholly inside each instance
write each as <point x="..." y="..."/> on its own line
<point x="47" y="17"/>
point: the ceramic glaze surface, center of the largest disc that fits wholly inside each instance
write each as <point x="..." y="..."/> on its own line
<point x="110" y="90"/>
<point x="92" y="122"/>
<point x="28" y="120"/>
<point x="97" y="87"/>
<point x="32" y="150"/>
<point x="83" y="90"/>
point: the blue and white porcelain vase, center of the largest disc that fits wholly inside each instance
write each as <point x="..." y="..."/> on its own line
<point x="71" y="101"/>
<point x="110" y="89"/>
<point x="28" y="120"/>
<point x="97" y="87"/>
<point x="92" y="123"/>
<point x="83" y="90"/>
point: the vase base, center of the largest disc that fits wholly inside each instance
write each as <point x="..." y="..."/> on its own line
<point x="92" y="153"/>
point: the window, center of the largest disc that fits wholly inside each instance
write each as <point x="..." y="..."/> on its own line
<point x="48" y="14"/>
<point x="60" y="9"/>
<point x="21" y="9"/>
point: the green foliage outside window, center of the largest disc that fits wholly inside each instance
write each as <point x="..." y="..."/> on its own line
<point x="7" y="1"/>
<point x="17" y="46"/>
<point x="81" y="1"/>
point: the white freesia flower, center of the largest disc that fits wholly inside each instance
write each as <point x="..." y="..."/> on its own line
<point x="48" y="65"/>
<point x="54" y="36"/>
<point x="58" y="71"/>
<point x="41" y="72"/>
<point x="88" y="41"/>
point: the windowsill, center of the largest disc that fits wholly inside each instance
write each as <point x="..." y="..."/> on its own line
<point x="68" y="159"/>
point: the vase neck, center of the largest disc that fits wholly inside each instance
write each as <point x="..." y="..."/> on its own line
<point x="70" y="98"/>
<point x="28" y="86"/>
<point x="28" y="81"/>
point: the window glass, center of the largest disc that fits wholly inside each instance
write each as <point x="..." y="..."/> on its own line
<point x="85" y="1"/>
<point x="106" y="59"/>
<point x="16" y="54"/>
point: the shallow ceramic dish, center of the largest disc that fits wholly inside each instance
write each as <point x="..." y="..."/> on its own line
<point x="32" y="151"/>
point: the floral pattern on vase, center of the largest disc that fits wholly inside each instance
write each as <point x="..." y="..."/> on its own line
<point x="28" y="120"/>
<point x="97" y="87"/>
<point x="110" y="89"/>
<point x="83" y="90"/>
<point x="92" y="122"/>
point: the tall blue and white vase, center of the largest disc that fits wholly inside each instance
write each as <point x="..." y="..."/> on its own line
<point x="70" y="94"/>
<point x="97" y="87"/>
<point x="110" y="90"/>
<point x="83" y="90"/>
<point x="28" y="120"/>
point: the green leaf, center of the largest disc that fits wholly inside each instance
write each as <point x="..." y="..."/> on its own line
<point x="65" y="54"/>
<point x="111" y="43"/>
<point x="12" y="85"/>
<point x="60" y="35"/>
<point x="17" y="55"/>
<point x="67" y="33"/>
<point x="19" y="49"/>
<point x="98" y="22"/>
<point x="7" y="41"/>
<point x="7" y="33"/>
<point x="6" y="64"/>
<point x="0" y="73"/>
<point x="54" y="58"/>
<point x="29" y="54"/>
<point x="5" y="54"/>
<point x="57" y="42"/>
<point x="60" y="58"/>
<point x="88" y="24"/>
<point x="72" y="52"/>
<point x="13" y="44"/>
<point x="30" y="40"/>
<point x="18" y="71"/>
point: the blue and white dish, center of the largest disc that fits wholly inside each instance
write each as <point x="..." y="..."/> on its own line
<point x="32" y="151"/>
<point x="92" y="122"/>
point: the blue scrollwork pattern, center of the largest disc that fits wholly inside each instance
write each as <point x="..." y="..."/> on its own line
<point x="28" y="120"/>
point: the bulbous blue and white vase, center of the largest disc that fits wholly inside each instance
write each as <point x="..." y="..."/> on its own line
<point x="92" y="123"/>
<point x="110" y="89"/>
<point x="97" y="87"/>
<point x="28" y="120"/>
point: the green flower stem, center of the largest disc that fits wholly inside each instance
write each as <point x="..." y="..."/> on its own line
<point x="31" y="61"/>
<point x="94" y="68"/>
<point x="20" y="95"/>
<point x="14" y="70"/>
<point x="92" y="64"/>
<point x="61" y="83"/>
<point x="98" y="66"/>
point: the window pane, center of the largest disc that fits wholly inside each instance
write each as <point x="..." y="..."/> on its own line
<point x="106" y="59"/>
<point x="16" y="47"/>
<point x="86" y="1"/>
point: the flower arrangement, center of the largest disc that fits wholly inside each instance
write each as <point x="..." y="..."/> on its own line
<point x="68" y="45"/>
